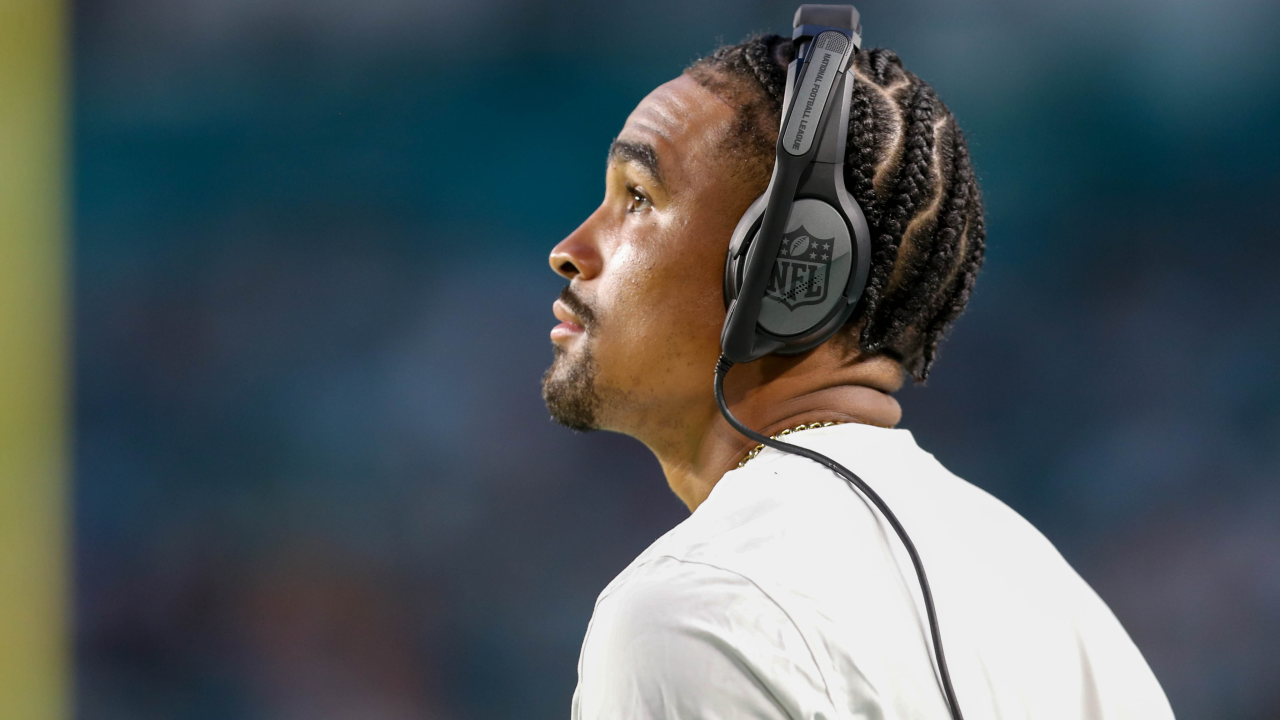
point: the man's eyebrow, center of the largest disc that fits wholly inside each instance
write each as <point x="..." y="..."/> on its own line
<point x="637" y="153"/>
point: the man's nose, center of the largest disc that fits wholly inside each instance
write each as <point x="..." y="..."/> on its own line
<point x="576" y="256"/>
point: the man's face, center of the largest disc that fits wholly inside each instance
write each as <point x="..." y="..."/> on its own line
<point x="641" y="316"/>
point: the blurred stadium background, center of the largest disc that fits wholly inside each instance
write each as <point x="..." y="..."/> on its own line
<point x="312" y="473"/>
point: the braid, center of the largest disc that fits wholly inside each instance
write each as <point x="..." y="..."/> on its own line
<point x="862" y="166"/>
<point x="922" y="275"/>
<point x="763" y="60"/>
<point x="973" y="232"/>
<point x="907" y="166"/>
<point x="915" y="181"/>
<point x="881" y="59"/>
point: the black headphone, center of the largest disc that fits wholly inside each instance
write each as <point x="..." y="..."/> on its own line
<point x="799" y="257"/>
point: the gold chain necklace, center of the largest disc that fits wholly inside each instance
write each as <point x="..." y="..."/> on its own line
<point x="811" y="426"/>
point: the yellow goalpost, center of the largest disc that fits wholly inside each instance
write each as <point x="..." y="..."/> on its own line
<point x="34" y="277"/>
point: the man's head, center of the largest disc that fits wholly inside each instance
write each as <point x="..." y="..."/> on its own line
<point x="644" y="306"/>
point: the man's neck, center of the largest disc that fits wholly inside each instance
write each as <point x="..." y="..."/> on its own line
<point x="772" y="395"/>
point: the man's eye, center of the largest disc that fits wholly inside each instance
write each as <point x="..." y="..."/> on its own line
<point x="639" y="201"/>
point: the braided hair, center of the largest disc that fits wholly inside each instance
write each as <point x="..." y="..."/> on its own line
<point x="907" y="166"/>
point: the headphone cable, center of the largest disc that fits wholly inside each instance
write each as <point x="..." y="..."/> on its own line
<point x="722" y="369"/>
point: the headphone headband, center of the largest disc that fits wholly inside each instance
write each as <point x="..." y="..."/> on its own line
<point x="844" y="17"/>
<point x="818" y="87"/>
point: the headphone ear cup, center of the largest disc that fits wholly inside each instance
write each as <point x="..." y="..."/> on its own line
<point x="822" y="269"/>
<point x="736" y="259"/>
<point x="809" y="276"/>
<point x="733" y="265"/>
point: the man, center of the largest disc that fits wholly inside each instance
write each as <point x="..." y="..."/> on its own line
<point x="785" y="594"/>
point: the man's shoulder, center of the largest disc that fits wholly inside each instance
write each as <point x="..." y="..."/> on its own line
<point x="655" y="590"/>
<point x="684" y="636"/>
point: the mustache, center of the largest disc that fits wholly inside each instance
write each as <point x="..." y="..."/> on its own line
<point x="578" y="306"/>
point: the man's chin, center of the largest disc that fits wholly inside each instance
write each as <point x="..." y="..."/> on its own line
<point x="568" y="389"/>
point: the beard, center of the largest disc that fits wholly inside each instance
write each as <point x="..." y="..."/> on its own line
<point x="569" y="385"/>
<point x="569" y="389"/>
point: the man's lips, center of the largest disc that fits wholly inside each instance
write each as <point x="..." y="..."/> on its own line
<point x="570" y="324"/>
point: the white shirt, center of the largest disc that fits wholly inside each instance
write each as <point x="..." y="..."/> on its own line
<point x="786" y="595"/>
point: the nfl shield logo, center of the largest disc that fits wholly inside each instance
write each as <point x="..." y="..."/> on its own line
<point x="800" y="272"/>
